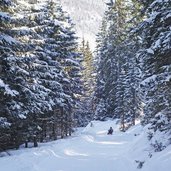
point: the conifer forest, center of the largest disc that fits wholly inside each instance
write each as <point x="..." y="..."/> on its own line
<point x="52" y="81"/>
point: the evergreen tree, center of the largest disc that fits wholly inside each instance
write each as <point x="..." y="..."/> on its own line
<point x="70" y="60"/>
<point x="11" y="112"/>
<point x="88" y="68"/>
<point x="40" y="72"/>
<point x="85" y="111"/>
<point x="155" y="62"/>
<point x="117" y="68"/>
<point x="111" y="59"/>
<point x="35" y="96"/>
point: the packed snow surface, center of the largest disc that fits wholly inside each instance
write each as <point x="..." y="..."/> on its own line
<point x="91" y="149"/>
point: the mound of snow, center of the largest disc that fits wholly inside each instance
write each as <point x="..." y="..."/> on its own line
<point x="100" y="128"/>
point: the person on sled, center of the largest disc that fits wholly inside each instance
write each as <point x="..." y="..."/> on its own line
<point x="110" y="131"/>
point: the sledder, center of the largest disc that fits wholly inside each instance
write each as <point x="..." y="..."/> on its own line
<point x="110" y="131"/>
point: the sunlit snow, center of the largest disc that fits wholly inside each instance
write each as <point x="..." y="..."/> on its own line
<point x="91" y="149"/>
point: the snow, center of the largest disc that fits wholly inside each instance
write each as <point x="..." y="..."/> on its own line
<point x="4" y="15"/>
<point x="152" y="17"/>
<point x="4" y="123"/>
<point x="168" y="78"/>
<point x="8" y="39"/>
<point x="150" y="51"/>
<point x="7" y="89"/>
<point x="149" y="79"/>
<point x="157" y="44"/>
<point x="163" y="77"/>
<point x="91" y="149"/>
<point x="71" y="61"/>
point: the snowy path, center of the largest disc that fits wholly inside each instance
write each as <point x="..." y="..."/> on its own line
<point x="89" y="150"/>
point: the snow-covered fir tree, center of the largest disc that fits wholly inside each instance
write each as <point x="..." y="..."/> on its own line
<point x="85" y="111"/>
<point x="70" y="60"/>
<point x="11" y="113"/>
<point x="116" y="67"/>
<point x="155" y="62"/>
<point x="40" y="71"/>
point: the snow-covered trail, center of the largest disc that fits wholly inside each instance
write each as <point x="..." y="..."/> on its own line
<point x="89" y="150"/>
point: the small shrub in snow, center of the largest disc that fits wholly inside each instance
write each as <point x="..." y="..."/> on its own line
<point x="169" y="140"/>
<point x="91" y="124"/>
<point x="140" y="164"/>
<point x="150" y="155"/>
<point x="158" y="146"/>
<point x="150" y="135"/>
<point x="159" y="122"/>
<point x="4" y="154"/>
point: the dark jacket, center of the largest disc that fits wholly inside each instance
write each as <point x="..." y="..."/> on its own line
<point x="110" y="131"/>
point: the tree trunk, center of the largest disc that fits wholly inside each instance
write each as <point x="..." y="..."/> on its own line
<point x="35" y="141"/>
<point x="26" y="144"/>
<point x="54" y="132"/>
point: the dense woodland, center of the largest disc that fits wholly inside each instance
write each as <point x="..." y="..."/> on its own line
<point x="49" y="84"/>
<point x="40" y="72"/>
<point x="134" y="64"/>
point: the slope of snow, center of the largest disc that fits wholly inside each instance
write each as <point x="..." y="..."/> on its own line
<point x="92" y="150"/>
<point x="87" y="15"/>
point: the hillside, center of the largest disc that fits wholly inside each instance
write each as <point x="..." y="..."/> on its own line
<point x="87" y="15"/>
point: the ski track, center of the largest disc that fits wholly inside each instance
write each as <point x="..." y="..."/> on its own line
<point x="91" y="149"/>
<point x="85" y="152"/>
